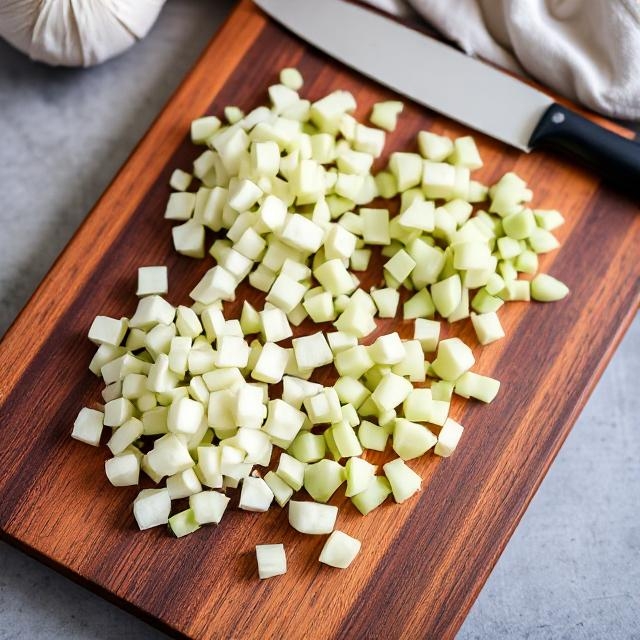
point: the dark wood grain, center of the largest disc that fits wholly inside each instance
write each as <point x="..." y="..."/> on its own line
<point x="422" y="563"/>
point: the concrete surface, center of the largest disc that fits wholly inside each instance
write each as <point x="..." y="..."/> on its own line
<point x="572" y="569"/>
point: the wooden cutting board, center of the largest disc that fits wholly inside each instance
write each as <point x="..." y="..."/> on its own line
<point x="422" y="563"/>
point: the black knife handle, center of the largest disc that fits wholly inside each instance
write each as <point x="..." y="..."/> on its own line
<point x="615" y="158"/>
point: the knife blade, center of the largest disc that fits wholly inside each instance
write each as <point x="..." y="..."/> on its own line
<point x="462" y="88"/>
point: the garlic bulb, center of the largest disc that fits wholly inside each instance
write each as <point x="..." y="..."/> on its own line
<point x="76" y="32"/>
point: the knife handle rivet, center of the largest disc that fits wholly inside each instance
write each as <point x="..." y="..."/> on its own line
<point x="557" y="118"/>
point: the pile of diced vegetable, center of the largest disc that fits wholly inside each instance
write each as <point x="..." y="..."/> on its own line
<point x="191" y="397"/>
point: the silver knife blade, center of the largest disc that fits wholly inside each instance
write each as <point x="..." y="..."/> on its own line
<point x="422" y="68"/>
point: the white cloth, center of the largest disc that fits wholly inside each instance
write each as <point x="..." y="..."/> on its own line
<point x="586" y="50"/>
<point x="76" y="32"/>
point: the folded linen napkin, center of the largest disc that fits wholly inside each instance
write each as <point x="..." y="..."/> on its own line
<point x="586" y="50"/>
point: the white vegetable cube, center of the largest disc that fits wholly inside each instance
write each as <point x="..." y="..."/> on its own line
<point x="411" y="440"/>
<point x="180" y="206"/>
<point x="255" y="495"/>
<point x="323" y="148"/>
<point x="250" y="411"/>
<point x="334" y="277"/>
<point x="301" y="233"/>
<point x="292" y="78"/>
<point x="346" y="441"/>
<point x="282" y="96"/>
<point x="312" y="351"/>
<point x="340" y="341"/>
<point x="265" y="158"/>
<point x="217" y="284"/>
<point x="447" y="295"/>
<point x="357" y="162"/>
<point x="152" y="508"/>
<point x="188" y="239"/>
<point x="418" y="405"/>
<point x="179" y="353"/>
<point x="387" y="301"/>
<point x="152" y="310"/>
<point x="387" y="350"/>
<point x="203" y="128"/>
<point x="323" y="407"/>
<point x="152" y="280"/>
<point x="183" y="523"/>
<point x="400" y="265"/>
<point x="272" y="213"/>
<point x="253" y="440"/>
<point x="360" y="474"/>
<point x="427" y="332"/>
<point x="209" y="207"/>
<point x="375" y="226"/>
<point x="320" y="307"/>
<point x="88" y="426"/>
<point x="349" y="185"/>
<point x="271" y="364"/>
<point x="548" y="219"/>
<point x="307" y="178"/>
<point x="420" y="214"/>
<point x="312" y="518"/>
<point x="339" y="243"/>
<point x="160" y="379"/>
<point x="185" y="416"/>
<point x="125" y="435"/>
<point x="113" y="391"/>
<point x="123" y="470"/>
<point x="283" y="421"/>
<point x="434" y="147"/>
<point x="180" y="180"/>
<point x="465" y="153"/>
<point x="448" y="438"/>
<point x="233" y="114"/>
<point x="438" y="179"/>
<point x="285" y="293"/>
<point x="368" y="139"/>
<point x="295" y="390"/>
<point x="391" y="391"/>
<point x="453" y="359"/>
<point x="282" y="492"/>
<point x="291" y="471"/>
<point x="406" y="168"/>
<point x="473" y="385"/>
<point x="169" y="455"/>
<point x="243" y="194"/>
<point x="327" y="112"/>
<point x="134" y="386"/>
<point x="109" y="331"/>
<point x="272" y="560"/>
<point x="117" y="412"/>
<point x="471" y="255"/>
<point x="487" y="327"/>
<point x="275" y="325"/>
<point x="183" y="484"/>
<point x="187" y="322"/>
<point x="546" y="288"/>
<point x="232" y="462"/>
<point x="339" y="550"/>
<point x="233" y="351"/>
<point x="208" y="506"/>
<point x="403" y="480"/>
<point x="385" y="114"/>
<point x="209" y="465"/>
<point x="204" y="166"/>
<point x="353" y="361"/>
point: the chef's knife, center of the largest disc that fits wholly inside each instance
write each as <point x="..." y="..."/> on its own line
<point x="455" y="85"/>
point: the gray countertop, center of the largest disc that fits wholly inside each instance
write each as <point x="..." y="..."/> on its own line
<point x="572" y="568"/>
